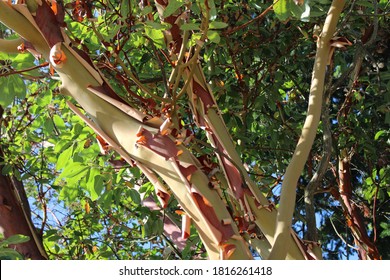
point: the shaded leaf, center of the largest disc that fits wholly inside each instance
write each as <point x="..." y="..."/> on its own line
<point x="172" y="7"/>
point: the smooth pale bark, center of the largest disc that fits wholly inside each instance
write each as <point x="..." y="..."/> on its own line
<point x="309" y="131"/>
<point x="10" y="46"/>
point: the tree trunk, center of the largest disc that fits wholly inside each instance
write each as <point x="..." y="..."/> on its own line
<point x="15" y="215"/>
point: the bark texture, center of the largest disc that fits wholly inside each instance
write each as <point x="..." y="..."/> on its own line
<point x="15" y="215"/>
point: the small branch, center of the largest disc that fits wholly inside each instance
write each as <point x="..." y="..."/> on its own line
<point x="137" y="82"/>
<point x="374" y="213"/>
<point x="259" y="17"/>
<point x="339" y="235"/>
<point x="24" y="70"/>
<point x="161" y="66"/>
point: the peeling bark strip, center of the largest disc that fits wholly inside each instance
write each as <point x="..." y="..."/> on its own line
<point x="160" y="144"/>
<point x="205" y="111"/>
<point x="208" y="210"/>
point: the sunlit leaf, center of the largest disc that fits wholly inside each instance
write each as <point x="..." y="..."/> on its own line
<point x="213" y="36"/>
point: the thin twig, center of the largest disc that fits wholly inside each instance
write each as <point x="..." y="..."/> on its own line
<point x="24" y="70"/>
<point x="242" y="26"/>
<point x="339" y="235"/>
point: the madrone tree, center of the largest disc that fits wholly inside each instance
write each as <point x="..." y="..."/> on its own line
<point x="145" y="79"/>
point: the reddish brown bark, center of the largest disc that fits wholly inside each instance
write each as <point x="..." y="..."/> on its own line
<point x="12" y="215"/>
<point x="366" y="248"/>
<point x="13" y="221"/>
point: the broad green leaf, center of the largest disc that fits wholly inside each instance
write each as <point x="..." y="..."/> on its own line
<point x="59" y="122"/>
<point x="10" y="254"/>
<point x="281" y="9"/>
<point x="172" y="7"/>
<point x="74" y="170"/>
<point x="157" y="25"/>
<point x="218" y="25"/>
<point x="48" y="126"/>
<point x="386" y="230"/>
<point x="190" y="26"/>
<point x="213" y="36"/>
<point x="212" y="9"/>
<point x="44" y="98"/>
<point x="111" y="32"/>
<point x="11" y="86"/>
<point x="6" y="169"/>
<point x="364" y="3"/>
<point x="146" y="10"/>
<point x="16" y="239"/>
<point x="95" y="183"/>
<point x="284" y="9"/>
<point x="106" y="200"/>
<point x="135" y="196"/>
<point x="69" y="193"/>
<point x="156" y="35"/>
<point x="125" y="8"/>
<point x="64" y="158"/>
<point x="62" y="144"/>
<point x="301" y="12"/>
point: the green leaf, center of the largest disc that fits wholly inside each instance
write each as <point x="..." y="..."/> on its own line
<point x="44" y="99"/>
<point x="125" y="8"/>
<point x="212" y="9"/>
<point x="74" y="171"/>
<point x="379" y="134"/>
<point x="284" y="9"/>
<point x="59" y="122"/>
<point x="156" y="34"/>
<point x="218" y="25"/>
<point x="386" y="230"/>
<point x="6" y="169"/>
<point x="9" y="254"/>
<point x="105" y="200"/>
<point x="213" y="36"/>
<point x="281" y="9"/>
<point x="16" y="239"/>
<point x="23" y="61"/>
<point x="147" y="10"/>
<point x="156" y="25"/>
<point x="69" y="193"/>
<point x="48" y="126"/>
<point x="64" y="158"/>
<point x="190" y="26"/>
<point x="172" y="7"/>
<point x="153" y="226"/>
<point x="11" y="86"/>
<point x="135" y="196"/>
<point x="95" y="183"/>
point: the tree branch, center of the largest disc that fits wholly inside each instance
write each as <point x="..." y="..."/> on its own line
<point x="10" y="46"/>
<point x="288" y="195"/>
